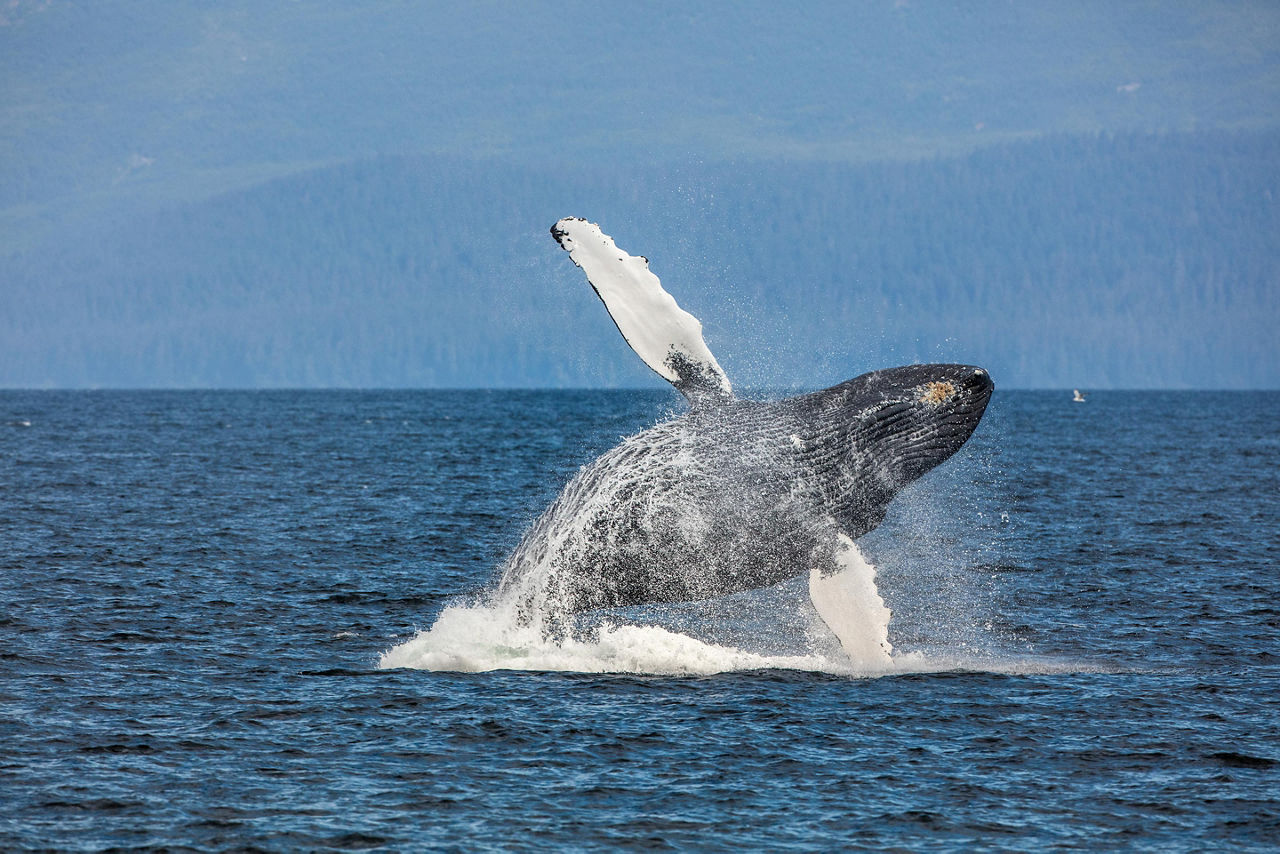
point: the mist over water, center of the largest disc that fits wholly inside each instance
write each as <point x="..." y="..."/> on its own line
<point x="220" y="608"/>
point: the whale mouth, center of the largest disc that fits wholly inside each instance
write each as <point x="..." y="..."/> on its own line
<point x="922" y="394"/>
<point x="930" y="421"/>
<point x="873" y="435"/>
<point x="965" y="387"/>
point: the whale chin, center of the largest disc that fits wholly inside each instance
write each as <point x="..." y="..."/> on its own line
<point x="883" y="430"/>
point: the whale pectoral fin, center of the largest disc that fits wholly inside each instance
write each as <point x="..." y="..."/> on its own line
<point x="665" y="336"/>
<point x="842" y="587"/>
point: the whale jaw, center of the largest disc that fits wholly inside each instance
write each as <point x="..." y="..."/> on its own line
<point x="869" y="437"/>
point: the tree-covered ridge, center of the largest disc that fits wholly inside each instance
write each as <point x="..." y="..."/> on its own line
<point x="1111" y="260"/>
<point x="176" y="97"/>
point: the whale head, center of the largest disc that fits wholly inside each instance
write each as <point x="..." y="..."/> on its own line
<point x="867" y="438"/>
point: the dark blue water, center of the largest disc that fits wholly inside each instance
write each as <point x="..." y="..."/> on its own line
<point x="197" y="588"/>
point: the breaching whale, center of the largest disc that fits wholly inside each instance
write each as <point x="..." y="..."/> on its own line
<point x="736" y="494"/>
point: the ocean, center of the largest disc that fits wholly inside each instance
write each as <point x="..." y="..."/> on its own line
<point x="257" y="621"/>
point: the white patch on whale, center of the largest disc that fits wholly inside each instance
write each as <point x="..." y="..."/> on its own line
<point x="663" y="335"/>
<point x="848" y="602"/>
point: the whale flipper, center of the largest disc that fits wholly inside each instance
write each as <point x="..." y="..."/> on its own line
<point x="665" y="336"/>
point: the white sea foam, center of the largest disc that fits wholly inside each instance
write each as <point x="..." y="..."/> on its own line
<point x="473" y="639"/>
<point x="845" y="631"/>
<point x="851" y="637"/>
<point x="481" y="638"/>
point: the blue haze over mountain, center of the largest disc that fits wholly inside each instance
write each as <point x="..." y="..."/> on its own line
<point x="359" y="194"/>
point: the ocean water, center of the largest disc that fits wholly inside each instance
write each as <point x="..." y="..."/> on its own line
<point x="220" y="609"/>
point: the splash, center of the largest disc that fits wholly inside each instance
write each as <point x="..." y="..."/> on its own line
<point x="477" y="639"/>
<point x="484" y="638"/>
<point x="845" y="632"/>
<point x="841" y="627"/>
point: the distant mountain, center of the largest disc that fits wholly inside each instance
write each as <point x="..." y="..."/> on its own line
<point x="274" y="193"/>
<point x="157" y="99"/>
<point x="1071" y="260"/>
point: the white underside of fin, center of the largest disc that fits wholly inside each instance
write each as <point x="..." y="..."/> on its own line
<point x="665" y="336"/>
<point x="848" y="602"/>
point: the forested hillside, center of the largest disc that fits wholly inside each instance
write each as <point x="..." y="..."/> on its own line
<point x="172" y="99"/>
<point x="1093" y="261"/>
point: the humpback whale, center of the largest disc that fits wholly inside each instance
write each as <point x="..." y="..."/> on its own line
<point x="735" y="494"/>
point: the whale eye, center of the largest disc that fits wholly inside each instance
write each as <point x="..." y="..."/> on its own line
<point x="935" y="393"/>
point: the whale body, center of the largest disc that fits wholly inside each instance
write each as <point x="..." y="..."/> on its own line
<point x="735" y="494"/>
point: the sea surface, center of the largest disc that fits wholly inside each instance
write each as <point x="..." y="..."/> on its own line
<point x="206" y="596"/>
